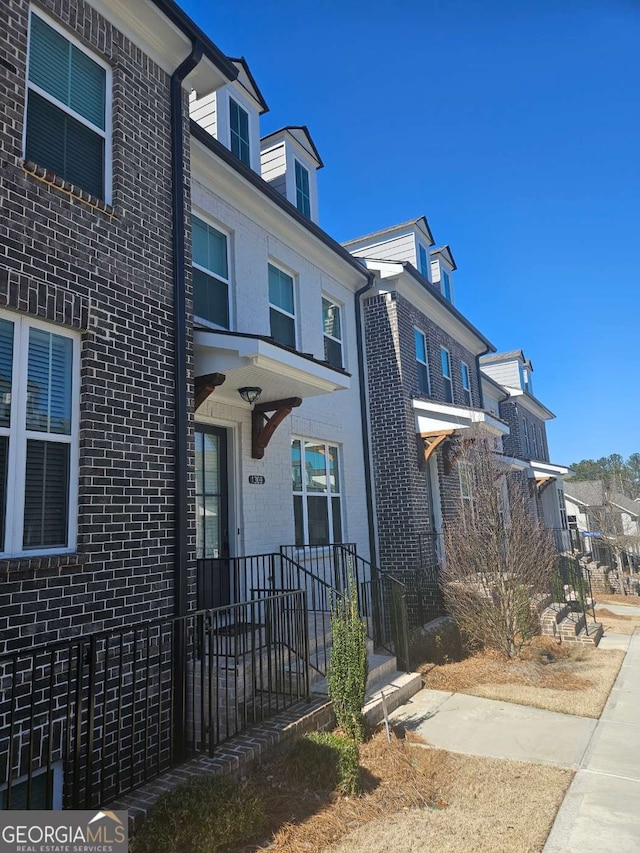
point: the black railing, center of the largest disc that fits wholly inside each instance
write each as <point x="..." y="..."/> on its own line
<point x="98" y="711"/>
<point x="327" y="562"/>
<point x="571" y="585"/>
<point x="382" y="600"/>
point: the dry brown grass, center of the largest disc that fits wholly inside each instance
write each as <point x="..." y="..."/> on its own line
<point x="617" y="623"/>
<point x="415" y="799"/>
<point x="394" y="776"/>
<point x="629" y="600"/>
<point x="548" y="675"/>
<point x="494" y="806"/>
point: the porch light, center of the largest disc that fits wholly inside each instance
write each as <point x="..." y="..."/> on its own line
<point x="250" y="394"/>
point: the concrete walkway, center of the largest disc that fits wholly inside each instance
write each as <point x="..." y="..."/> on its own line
<point x="476" y="726"/>
<point x="601" y="811"/>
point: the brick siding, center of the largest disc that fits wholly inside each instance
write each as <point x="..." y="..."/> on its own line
<point x="106" y="273"/>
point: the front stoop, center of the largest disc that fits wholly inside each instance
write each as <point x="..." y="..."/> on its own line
<point x="566" y="626"/>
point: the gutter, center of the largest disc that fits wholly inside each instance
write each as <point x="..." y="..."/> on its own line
<point x="366" y="441"/>
<point x="189" y="28"/>
<point x="181" y="494"/>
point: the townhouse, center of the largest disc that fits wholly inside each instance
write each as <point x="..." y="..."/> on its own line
<point x="424" y="391"/>
<point x="507" y="380"/>
<point x="275" y="333"/>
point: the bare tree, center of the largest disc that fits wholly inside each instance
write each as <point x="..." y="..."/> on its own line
<point x="498" y="559"/>
<point x="622" y="544"/>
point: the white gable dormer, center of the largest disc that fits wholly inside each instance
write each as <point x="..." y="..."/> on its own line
<point x="409" y="242"/>
<point x="442" y="267"/>
<point x="511" y="369"/>
<point x="232" y="115"/>
<point x="290" y="162"/>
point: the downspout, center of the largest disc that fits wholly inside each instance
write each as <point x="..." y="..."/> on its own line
<point x="479" y="373"/>
<point x="180" y="556"/>
<point x="366" y="442"/>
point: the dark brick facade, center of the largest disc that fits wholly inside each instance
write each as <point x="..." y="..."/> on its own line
<point x="404" y="517"/>
<point x="106" y="272"/>
<point x="514" y="443"/>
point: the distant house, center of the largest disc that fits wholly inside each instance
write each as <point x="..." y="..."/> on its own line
<point x="602" y="518"/>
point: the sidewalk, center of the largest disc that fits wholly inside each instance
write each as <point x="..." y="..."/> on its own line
<point x="475" y="726"/>
<point x="601" y="811"/>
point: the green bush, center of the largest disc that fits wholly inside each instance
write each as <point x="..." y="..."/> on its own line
<point x="325" y="762"/>
<point x="347" y="674"/>
<point x="202" y="816"/>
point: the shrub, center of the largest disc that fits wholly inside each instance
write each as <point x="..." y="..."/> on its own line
<point x="347" y="674"/>
<point x="202" y="816"/>
<point x="325" y="762"/>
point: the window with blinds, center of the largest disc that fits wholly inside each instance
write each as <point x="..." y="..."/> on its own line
<point x="67" y="118"/>
<point x="38" y="437"/>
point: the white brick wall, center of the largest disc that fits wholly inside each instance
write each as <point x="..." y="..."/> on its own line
<point x="264" y="514"/>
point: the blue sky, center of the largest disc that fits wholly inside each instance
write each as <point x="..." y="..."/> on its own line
<point x="515" y="128"/>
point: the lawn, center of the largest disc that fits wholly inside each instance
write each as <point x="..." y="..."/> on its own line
<point x="570" y="679"/>
<point x="416" y="799"/>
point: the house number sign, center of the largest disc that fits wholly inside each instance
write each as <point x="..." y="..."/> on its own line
<point x="256" y="479"/>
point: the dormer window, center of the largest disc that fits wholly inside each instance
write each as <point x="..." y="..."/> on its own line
<point x="239" y="132"/>
<point x="303" y="196"/>
<point x="446" y="285"/>
<point x="423" y="260"/>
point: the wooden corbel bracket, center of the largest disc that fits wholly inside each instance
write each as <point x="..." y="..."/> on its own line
<point x="428" y="443"/>
<point x="206" y="385"/>
<point x="543" y="483"/>
<point x="263" y="426"/>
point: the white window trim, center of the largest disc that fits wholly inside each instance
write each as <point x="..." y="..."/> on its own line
<point x="446" y="273"/>
<point x="328" y="495"/>
<point x="228" y="281"/>
<point x="424" y="273"/>
<point x="294" y="288"/>
<point x="57" y="783"/>
<point x="339" y="306"/>
<point x="296" y="161"/>
<point x="106" y="134"/>
<point x="466" y="389"/>
<point x="448" y="378"/>
<point x="17" y="459"/>
<point x="426" y="355"/>
<point x="238" y="102"/>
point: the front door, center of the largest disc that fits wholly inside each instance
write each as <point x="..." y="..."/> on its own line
<point x="212" y="517"/>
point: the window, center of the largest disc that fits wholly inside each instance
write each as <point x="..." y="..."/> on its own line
<point x="445" y="361"/>
<point x="423" y="260"/>
<point x="282" y="307"/>
<point x="316" y="482"/>
<point x="541" y="443"/>
<point x="563" y="509"/>
<point x="38" y="437"/>
<point x="466" y="492"/>
<point x="303" y="198"/>
<point x="68" y="92"/>
<point x="533" y="441"/>
<point x="210" y="273"/>
<point x="332" y="333"/>
<point x="239" y="130"/>
<point x="446" y="285"/>
<point x="422" y="362"/>
<point x="466" y="382"/>
<point x="525" y="436"/>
